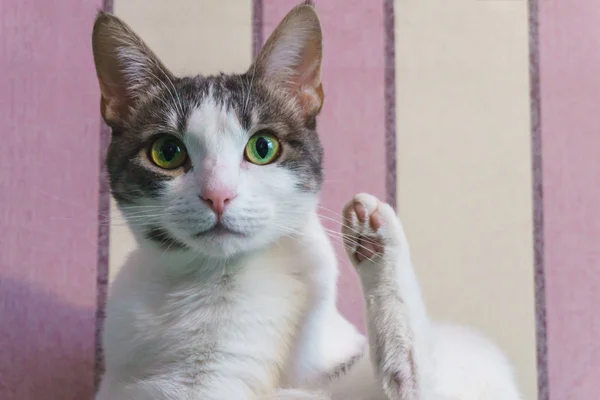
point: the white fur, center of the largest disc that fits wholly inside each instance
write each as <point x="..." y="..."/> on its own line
<point x="235" y="317"/>
<point x="253" y="316"/>
<point x="278" y="321"/>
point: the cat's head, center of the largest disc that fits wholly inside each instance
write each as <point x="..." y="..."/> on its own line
<point x="219" y="164"/>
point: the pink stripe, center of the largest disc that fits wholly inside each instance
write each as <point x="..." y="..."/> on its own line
<point x="48" y="199"/>
<point x="352" y="122"/>
<point x="570" y="90"/>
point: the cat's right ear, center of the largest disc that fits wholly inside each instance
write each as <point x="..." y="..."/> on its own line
<point x="291" y="58"/>
<point x="125" y="66"/>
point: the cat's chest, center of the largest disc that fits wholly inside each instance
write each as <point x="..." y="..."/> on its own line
<point x="248" y="322"/>
<point x="248" y="315"/>
<point x="257" y="305"/>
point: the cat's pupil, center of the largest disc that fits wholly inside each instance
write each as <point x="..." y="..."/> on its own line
<point x="169" y="150"/>
<point x="262" y="147"/>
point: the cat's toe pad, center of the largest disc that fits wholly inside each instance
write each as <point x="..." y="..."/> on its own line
<point x="367" y="223"/>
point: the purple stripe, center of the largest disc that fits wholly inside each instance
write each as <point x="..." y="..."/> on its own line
<point x="257" y="26"/>
<point x="108" y="5"/>
<point x="538" y="203"/>
<point x="103" y="240"/>
<point x="390" y="100"/>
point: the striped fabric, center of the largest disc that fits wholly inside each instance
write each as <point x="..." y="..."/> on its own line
<point x="476" y="118"/>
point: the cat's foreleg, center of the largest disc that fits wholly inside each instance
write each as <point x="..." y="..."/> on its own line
<point x="398" y="327"/>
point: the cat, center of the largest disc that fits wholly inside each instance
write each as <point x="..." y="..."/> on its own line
<point x="231" y="291"/>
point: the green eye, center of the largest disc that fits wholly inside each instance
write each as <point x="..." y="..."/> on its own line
<point x="262" y="149"/>
<point x="168" y="152"/>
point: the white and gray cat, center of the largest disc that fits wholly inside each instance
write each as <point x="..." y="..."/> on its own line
<point x="231" y="293"/>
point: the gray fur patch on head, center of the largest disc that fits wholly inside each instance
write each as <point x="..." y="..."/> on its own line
<point x="254" y="102"/>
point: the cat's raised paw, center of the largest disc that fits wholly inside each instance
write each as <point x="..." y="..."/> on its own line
<point x="370" y="228"/>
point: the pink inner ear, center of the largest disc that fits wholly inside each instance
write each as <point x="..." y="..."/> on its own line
<point x="296" y="61"/>
<point x="292" y="58"/>
<point x="309" y="70"/>
<point x="308" y="81"/>
<point x="117" y="107"/>
<point x="311" y="99"/>
<point x="303" y="78"/>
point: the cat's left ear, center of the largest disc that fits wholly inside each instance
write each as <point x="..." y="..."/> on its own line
<point x="127" y="69"/>
<point x="291" y="58"/>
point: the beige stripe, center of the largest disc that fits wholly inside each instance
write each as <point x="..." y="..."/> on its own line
<point x="190" y="37"/>
<point x="464" y="165"/>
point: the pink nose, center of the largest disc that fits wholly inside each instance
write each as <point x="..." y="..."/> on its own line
<point x="217" y="199"/>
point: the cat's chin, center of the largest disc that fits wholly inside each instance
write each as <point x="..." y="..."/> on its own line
<point x="220" y="231"/>
<point x="224" y="244"/>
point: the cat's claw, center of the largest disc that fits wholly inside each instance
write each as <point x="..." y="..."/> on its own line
<point x="370" y="229"/>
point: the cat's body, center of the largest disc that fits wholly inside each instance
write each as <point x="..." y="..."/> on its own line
<point x="231" y="293"/>
<point x="267" y="320"/>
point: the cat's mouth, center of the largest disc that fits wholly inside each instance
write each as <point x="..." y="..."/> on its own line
<point x="218" y="230"/>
